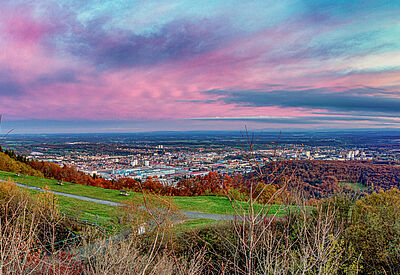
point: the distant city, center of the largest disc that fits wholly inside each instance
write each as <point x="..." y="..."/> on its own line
<point x="172" y="156"/>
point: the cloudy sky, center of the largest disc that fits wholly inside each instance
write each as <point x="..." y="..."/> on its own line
<point x="129" y="66"/>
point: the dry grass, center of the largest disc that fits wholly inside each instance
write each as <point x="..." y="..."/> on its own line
<point x="34" y="239"/>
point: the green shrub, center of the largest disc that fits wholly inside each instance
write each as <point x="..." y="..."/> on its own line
<point x="237" y="195"/>
<point x="375" y="231"/>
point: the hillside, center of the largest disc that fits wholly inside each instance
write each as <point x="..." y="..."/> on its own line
<point x="201" y="204"/>
<point x="9" y="164"/>
<point x="321" y="178"/>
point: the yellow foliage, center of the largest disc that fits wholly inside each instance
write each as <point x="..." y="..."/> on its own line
<point x="10" y="165"/>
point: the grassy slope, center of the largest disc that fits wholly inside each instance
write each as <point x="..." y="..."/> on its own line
<point x="196" y="223"/>
<point x="106" y="215"/>
<point x="9" y="164"/>
<point x="353" y="185"/>
<point x="204" y="204"/>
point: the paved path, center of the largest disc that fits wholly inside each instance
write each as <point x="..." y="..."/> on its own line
<point x="83" y="198"/>
<point x="198" y="215"/>
<point x="188" y="214"/>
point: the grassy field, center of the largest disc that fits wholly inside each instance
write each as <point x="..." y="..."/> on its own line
<point x="107" y="215"/>
<point x="195" y="223"/>
<point x="84" y="210"/>
<point x="353" y="185"/>
<point x="70" y="188"/>
<point x="203" y="204"/>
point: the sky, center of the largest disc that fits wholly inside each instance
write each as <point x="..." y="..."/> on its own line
<point x="133" y="66"/>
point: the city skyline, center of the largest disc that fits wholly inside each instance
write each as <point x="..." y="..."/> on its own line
<point x="118" y="66"/>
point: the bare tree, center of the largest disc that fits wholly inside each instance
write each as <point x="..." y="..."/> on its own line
<point x="264" y="243"/>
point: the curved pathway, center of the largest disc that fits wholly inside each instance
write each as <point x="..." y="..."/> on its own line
<point x="82" y="198"/>
<point x="188" y="214"/>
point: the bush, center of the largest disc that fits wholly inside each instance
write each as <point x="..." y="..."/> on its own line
<point x="375" y="231"/>
<point x="33" y="234"/>
<point x="237" y="195"/>
<point x="217" y="241"/>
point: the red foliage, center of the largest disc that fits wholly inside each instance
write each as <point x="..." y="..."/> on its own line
<point x="60" y="263"/>
<point x="322" y="177"/>
<point x="211" y="183"/>
<point x="317" y="177"/>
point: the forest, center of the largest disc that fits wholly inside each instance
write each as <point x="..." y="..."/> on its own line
<point x="323" y="177"/>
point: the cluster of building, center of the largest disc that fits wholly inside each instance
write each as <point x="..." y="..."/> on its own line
<point x="186" y="162"/>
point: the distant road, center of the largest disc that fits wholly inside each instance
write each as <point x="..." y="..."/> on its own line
<point x="188" y="214"/>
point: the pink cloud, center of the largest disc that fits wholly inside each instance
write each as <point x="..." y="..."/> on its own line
<point x="23" y="28"/>
<point x="167" y="90"/>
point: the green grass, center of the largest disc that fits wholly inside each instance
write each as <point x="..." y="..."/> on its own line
<point x="353" y="185"/>
<point x="71" y="188"/>
<point x="195" y="223"/>
<point x="106" y="215"/>
<point x="84" y="210"/>
<point x="203" y="204"/>
<point x="219" y="205"/>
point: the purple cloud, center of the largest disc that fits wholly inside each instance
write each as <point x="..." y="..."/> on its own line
<point x="61" y="76"/>
<point x="361" y="99"/>
<point x="117" y="48"/>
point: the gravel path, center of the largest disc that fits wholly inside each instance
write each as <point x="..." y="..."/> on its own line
<point x="188" y="214"/>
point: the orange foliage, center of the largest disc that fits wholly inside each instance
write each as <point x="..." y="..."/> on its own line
<point x="212" y="183"/>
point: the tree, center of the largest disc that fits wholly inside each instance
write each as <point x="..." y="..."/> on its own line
<point x="266" y="193"/>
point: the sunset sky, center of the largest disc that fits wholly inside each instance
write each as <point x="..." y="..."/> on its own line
<point x="131" y="66"/>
